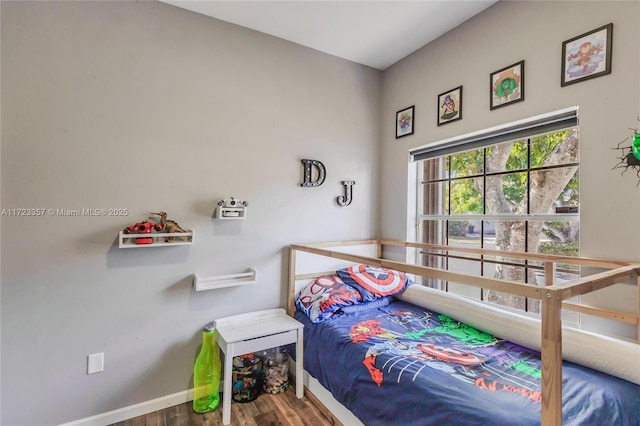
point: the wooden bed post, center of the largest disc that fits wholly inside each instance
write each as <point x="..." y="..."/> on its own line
<point x="549" y="273"/>
<point x="291" y="309"/>
<point x="638" y="315"/>
<point x="551" y="354"/>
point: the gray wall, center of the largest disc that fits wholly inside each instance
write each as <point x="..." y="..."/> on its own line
<point x="143" y="106"/>
<point x="503" y="34"/>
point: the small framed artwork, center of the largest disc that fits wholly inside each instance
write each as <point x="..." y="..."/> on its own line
<point x="450" y="106"/>
<point x="404" y="122"/>
<point x="587" y="56"/>
<point x="507" y="86"/>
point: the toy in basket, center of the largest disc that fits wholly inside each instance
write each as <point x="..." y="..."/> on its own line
<point x="276" y="367"/>
<point x="246" y="378"/>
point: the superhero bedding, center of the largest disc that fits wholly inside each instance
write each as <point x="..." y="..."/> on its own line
<point x="394" y="363"/>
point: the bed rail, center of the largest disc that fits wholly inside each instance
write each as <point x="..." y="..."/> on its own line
<point x="552" y="296"/>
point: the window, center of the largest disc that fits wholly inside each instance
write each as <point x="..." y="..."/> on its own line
<point x="519" y="195"/>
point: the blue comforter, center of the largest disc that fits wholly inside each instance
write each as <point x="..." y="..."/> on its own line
<point x="404" y="365"/>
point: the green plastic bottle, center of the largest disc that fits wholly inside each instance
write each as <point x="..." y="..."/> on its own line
<point x="206" y="373"/>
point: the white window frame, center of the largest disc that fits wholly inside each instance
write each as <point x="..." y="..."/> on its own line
<point x="521" y="129"/>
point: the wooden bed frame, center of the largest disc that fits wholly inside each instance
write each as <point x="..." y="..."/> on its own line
<point x="552" y="296"/>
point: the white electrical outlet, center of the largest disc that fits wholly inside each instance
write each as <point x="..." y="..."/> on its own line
<point x="95" y="363"/>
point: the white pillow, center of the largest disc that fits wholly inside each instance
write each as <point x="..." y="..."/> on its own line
<point x="612" y="356"/>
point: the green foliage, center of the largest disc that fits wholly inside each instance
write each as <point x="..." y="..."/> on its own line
<point x="458" y="228"/>
<point x="543" y="146"/>
<point x="467" y="163"/>
<point x="466" y="195"/>
<point x="465" y="198"/>
<point x="514" y="187"/>
<point x="560" y="249"/>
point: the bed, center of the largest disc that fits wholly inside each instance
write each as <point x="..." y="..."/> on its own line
<point x="403" y="354"/>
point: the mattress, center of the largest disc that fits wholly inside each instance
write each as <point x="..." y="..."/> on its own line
<point x="401" y="364"/>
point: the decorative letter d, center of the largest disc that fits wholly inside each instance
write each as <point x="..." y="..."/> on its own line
<point x="322" y="173"/>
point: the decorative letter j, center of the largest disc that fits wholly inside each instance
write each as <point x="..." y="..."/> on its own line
<point x="345" y="200"/>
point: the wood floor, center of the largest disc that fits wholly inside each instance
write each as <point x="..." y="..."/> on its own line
<point x="267" y="410"/>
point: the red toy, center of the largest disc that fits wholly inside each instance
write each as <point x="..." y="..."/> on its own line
<point x="143" y="227"/>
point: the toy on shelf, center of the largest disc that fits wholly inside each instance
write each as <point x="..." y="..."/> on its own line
<point x="145" y="228"/>
<point x="168" y="226"/>
<point x="156" y="231"/>
<point x="231" y="208"/>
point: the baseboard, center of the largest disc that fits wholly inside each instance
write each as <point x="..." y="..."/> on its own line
<point x="126" y="413"/>
<point x="136" y="410"/>
<point x="317" y="394"/>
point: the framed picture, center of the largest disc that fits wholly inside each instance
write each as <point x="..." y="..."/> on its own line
<point x="507" y="86"/>
<point x="587" y="56"/>
<point x="404" y="122"/>
<point x="450" y="106"/>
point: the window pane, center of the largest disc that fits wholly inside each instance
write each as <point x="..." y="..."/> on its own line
<point x="469" y="236"/>
<point x="507" y="194"/>
<point x="557" y="238"/>
<point x="435" y="198"/>
<point x="489" y="235"/>
<point x="554" y="149"/>
<point x="467" y="163"/>
<point x="510" y="273"/>
<point x="504" y="268"/>
<point x="507" y="156"/>
<point x="569" y="199"/>
<point x="506" y="236"/>
<point x="554" y="188"/>
<point x="434" y="232"/>
<point x="462" y="233"/>
<point x="435" y="169"/>
<point x="467" y="267"/>
<point x="465" y="197"/>
<point x="433" y="261"/>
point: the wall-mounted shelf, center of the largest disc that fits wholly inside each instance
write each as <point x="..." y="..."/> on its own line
<point x="230" y="212"/>
<point x="221" y="281"/>
<point x="180" y="239"/>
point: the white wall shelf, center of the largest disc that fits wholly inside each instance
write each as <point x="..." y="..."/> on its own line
<point x="222" y="281"/>
<point x="180" y="239"/>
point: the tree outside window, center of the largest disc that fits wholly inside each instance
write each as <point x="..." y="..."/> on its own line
<point x="518" y="196"/>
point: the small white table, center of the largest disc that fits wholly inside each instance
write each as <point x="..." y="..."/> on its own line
<point x="252" y="332"/>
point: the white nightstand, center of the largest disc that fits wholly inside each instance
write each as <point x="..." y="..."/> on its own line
<point x="252" y="332"/>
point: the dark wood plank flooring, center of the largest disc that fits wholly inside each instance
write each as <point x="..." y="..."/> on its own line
<point x="267" y="410"/>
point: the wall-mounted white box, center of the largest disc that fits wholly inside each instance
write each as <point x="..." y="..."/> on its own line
<point x="95" y="363"/>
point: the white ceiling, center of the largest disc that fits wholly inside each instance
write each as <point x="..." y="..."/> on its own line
<point x="373" y="33"/>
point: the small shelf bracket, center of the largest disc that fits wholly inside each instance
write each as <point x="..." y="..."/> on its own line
<point x="222" y="281"/>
